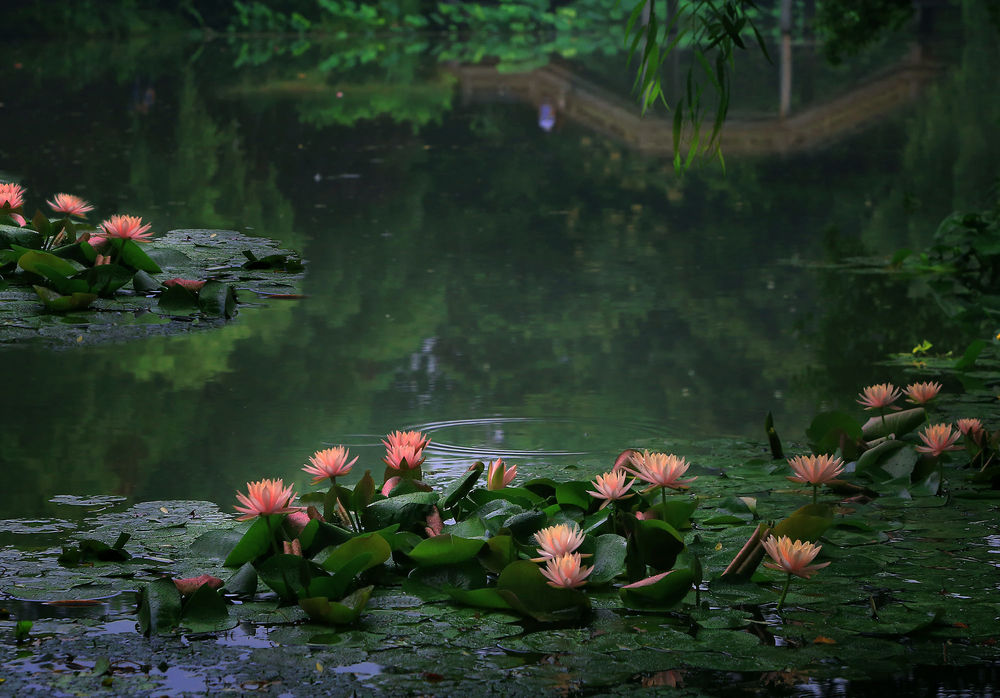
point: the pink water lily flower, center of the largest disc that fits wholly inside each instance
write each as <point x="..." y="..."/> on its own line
<point x="265" y="497"/>
<point x="938" y="439"/>
<point x="815" y="470"/>
<point x="556" y="541"/>
<point x="292" y="547"/>
<point x="403" y="457"/>
<point x="878" y="396"/>
<point x="329" y="463"/>
<point x="127" y="227"/>
<point x="566" y="571"/>
<point x="499" y="475"/>
<point x="921" y="393"/>
<point x="415" y="439"/>
<point x="404" y="450"/>
<point x="192" y="584"/>
<point x="611" y="487"/>
<point x="11" y="200"/>
<point x="793" y="558"/>
<point x="661" y="470"/>
<point x="971" y="427"/>
<point x="70" y="205"/>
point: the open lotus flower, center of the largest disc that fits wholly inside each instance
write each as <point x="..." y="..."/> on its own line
<point x="11" y="200"/>
<point x="938" y="439"/>
<point x="815" y="470"/>
<point x="566" y="572"/>
<point x="972" y="428"/>
<point x="329" y="463"/>
<point x="611" y="487"/>
<point x="404" y="450"/>
<point x="880" y="396"/>
<point x="556" y="541"/>
<point x="403" y="457"/>
<point x="499" y="475"/>
<point x="661" y="470"/>
<point x="969" y="426"/>
<point x="192" y="584"/>
<point x="921" y="393"/>
<point x="793" y="558"/>
<point x="265" y="497"/>
<point x="70" y="205"/>
<point x="127" y="227"/>
<point x="415" y="439"/>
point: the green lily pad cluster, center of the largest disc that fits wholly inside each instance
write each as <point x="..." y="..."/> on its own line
<point x="475" y="543"/>
<point x="71" y="264"/>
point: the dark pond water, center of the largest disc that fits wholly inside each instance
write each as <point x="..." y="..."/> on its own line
<point x="548" y="295"/>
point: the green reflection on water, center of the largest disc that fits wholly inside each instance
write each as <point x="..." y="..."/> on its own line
<point x="464" y="265"/>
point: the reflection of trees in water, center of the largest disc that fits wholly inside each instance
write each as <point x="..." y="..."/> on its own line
<point x="202" y="169"/>
<point x="951" y="159"/>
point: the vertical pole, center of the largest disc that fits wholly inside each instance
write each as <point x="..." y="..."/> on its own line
<point x="786" y="59"/>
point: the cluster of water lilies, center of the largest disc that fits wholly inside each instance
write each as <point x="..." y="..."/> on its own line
<point x="537" y="546"/>
<point x="70" y="262"/>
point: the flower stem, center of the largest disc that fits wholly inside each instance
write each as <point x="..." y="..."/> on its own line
<point x="270" y="534"/>
<point x="663" y="498"/>
<point x="815" y="487"/>
<point x="784" y="592"/>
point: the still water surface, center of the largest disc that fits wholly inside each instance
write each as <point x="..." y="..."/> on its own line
<point x="505" y="259"/>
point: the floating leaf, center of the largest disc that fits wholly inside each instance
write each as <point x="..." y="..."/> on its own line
<point x="368" y="543"/>
<point x="256" y="541"/>
<point x="807" y="523"/>
<point x="833" y="431"/>
<point x="134" y="256"/>
<point x="660" y="592"/>
<point x="524" y="587"/>
<point x="462" y="486"/>
<point x="22" y="237"/>
<point x="478" y="598"/>
<point x="405" y="510"/>
<point x="343" y="612"/>
<point x="217" y="299"/>
<point x="159" y="607"/>
<point x="445" y="549"/>
<point x="59" y="303"/>
<point x="657" y="543"/>
<point x="288" y="576"/>
<point x="498" y="553"/>
<point x="609" y="559"/>
<point x="897" y="423"/>
<point x="206" y="611"/>
<point x="574" y="493"/>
